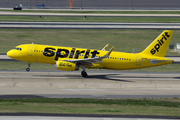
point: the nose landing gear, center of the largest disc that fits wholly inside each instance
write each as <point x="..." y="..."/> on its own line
<point x="28" y="69"/>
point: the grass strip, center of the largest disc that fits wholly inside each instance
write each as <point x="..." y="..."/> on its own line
<point x="160" y="107"/>
<point x="138" y="102"/>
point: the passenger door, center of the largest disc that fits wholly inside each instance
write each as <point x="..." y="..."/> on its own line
<point x="30" y="50"/>
<point x="138" y="60"/>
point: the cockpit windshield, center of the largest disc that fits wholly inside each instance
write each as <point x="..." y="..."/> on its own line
<point x="18" y="48"/>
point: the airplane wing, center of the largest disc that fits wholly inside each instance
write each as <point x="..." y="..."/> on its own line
<point x="91" y="61"/>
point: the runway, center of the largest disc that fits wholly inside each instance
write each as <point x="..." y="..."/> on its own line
<point x="88" y="25"/>
<point x="80" y="117"/>
<point x="38" y="116"/>
<point x="99" y="84"/>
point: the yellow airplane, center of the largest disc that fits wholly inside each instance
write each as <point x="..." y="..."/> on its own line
<point x="71" y="58"/>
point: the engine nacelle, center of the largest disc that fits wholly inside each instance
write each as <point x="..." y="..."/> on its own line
<point x="67" y="66"/>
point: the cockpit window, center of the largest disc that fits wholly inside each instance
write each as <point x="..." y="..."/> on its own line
<point x="18" y="49"/>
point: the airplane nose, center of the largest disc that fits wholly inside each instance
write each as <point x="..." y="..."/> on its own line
<point x="9" y="54"/>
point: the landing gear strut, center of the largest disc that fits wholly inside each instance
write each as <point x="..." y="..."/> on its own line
<point x="28" y="69"/>
<point x="83" y="73"/>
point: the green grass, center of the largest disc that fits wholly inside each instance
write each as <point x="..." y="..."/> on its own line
<point x="140" y="102"/>
<point x="92" y="19"/>
<point x="158" y="107"/>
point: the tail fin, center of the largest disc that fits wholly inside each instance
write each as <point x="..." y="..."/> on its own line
<point x="159" y="46"/>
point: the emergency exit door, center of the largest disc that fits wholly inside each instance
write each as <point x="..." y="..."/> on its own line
<point x="30" y="50"/>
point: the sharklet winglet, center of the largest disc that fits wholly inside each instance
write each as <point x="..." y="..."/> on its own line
<point x="109" y="52"/>
<point x="105" y="47"/>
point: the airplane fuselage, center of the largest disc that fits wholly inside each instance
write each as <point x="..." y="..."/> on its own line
<point x="116" y="60"/>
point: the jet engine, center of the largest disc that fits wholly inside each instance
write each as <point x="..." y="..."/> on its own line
<point x="67" y="66"/>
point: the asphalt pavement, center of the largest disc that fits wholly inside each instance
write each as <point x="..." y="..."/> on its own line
<point x="99" y="84"/>
<point x="83" y="117"/>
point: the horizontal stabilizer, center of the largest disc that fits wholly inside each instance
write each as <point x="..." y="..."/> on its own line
<point x="154" y="61"/>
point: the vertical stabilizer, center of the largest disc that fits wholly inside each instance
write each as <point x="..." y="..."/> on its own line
<point x="159" y="46"/>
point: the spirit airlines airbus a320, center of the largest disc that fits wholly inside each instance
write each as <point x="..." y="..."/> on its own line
<point x="70" y="59"/>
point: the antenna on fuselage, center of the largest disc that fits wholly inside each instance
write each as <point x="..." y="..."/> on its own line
<point x="134" y="50"/>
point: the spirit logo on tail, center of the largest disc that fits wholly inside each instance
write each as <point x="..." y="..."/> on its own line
<point x="160" y="43"/>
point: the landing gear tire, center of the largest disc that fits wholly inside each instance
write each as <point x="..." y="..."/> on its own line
<point x="27" y="69"/>
<point x="84" y="74"/>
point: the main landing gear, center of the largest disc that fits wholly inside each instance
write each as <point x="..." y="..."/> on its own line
<point x="83" y="73"/>
<point x="28" y="69"/>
